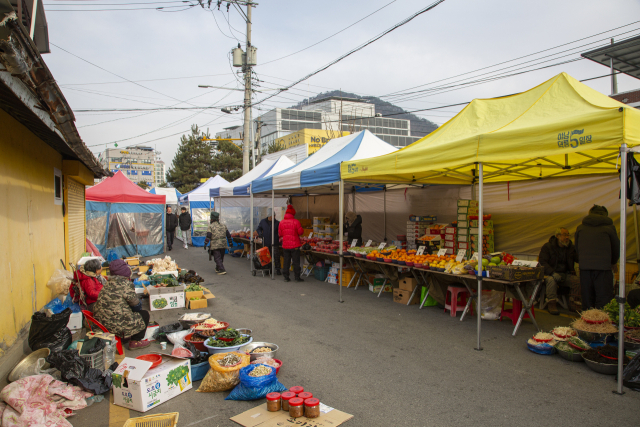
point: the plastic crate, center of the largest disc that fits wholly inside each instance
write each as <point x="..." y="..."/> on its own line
<point x="95" y="359"/>
<point x="159" y="420"/>
<point x="320" y="273"/>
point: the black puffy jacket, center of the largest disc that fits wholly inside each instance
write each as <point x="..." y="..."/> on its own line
<point x="354" y="231"/>
<point x="597" y="243"/>
<point x="557" y="259"/>
<point x="185" y="221"/>
<point x="171" y="222"/>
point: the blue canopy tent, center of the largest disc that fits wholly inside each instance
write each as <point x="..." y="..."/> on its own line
<point x="200" y="206"/>
<point x="123" y="218"/>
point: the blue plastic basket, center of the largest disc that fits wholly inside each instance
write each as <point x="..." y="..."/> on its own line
<point x="199" y="371"/>
<point x="320" y="273"/>
<point x="545" y="349"/>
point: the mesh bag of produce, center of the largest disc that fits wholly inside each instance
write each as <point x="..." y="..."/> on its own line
<point x="256" y="387"/>
<point x="225" y="371"/>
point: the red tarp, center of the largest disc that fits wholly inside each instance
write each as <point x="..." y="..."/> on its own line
<point x="120" y="189"/>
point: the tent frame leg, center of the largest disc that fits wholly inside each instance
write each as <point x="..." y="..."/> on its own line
<point x="480" y="235"/>
<point x="623" y="261"/>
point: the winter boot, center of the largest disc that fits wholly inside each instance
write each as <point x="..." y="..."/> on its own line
<point x="553" y="307"/>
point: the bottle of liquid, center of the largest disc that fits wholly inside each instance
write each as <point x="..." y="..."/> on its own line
<point x="109" y="355"/>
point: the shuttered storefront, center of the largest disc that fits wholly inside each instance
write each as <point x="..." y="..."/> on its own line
<point x="75" y="219"/>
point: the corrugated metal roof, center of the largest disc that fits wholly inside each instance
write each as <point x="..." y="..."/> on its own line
<point x="625" y="55"/>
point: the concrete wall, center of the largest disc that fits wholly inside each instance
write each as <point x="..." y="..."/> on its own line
<point x="31" y="226"/>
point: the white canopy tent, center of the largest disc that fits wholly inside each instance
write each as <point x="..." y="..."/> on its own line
<point x="200" y="205"/>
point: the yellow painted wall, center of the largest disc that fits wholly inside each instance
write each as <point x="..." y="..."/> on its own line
<point x="31" y="226"/>
<point x="314" y="138"/>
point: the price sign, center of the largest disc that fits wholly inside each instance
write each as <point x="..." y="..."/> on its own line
<point x="382" y="245"/>
<point x="442" y="252"/>
<point x="354" y="242"/>
<point x="523" y="263"/>
<point x="461" y="254"/>
<point x="367" y="244"/>
<point x="311" y="235"/>
<point x="420" y="250"/>
<point x="475" y="256"/>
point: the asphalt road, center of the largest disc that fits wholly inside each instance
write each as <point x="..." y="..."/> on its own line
<point x="389" y="364"/>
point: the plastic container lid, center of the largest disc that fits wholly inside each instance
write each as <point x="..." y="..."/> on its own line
<point x="288" y="395"/>
<point x="273" y="396"/>
<point x="297" y="389"/>
<point x="295" y="401"/>
<point x="305" y="395"/>
<point x="312" y="402"/>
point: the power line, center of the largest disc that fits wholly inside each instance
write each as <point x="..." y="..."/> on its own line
<point x="148" y="80"/>
<point x="110" y="10"/>
<point x="362" y="46"/>
<point x="332" y="35"/>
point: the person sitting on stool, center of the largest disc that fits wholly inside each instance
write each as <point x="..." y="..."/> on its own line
<point x="557" y="256"/>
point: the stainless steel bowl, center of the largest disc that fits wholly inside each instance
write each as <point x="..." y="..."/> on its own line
<point x="592" y="336"/>
<point x="631" y="345"/>
<point x="250" y="347"/>
<point x="245" y="331"/>
<point x="26" y="364"/>
<point x="602" y="368"/>
<point x="572" y="357"/>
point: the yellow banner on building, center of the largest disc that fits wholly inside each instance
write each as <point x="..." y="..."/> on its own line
<point x="315" y="139"/>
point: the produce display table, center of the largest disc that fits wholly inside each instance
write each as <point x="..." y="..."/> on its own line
<point x="468" y="280"/>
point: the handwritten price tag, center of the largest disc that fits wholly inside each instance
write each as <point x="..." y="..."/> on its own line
<point x="442" y="252"/>
<point x="311" y="235"/>
<point x="420" y="250"/>
<point x="461" y="254"/>
<point x="382" y="245"/>
<point x="368" y="244"/>
<point x="354" y="242"/>
<point x="523" y="263"/>
<point x="474" y="256"/>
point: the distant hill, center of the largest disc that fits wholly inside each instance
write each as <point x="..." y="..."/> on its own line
<point x="419" y="126"/>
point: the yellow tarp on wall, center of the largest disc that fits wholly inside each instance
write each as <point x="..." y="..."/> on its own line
<point x="559" y="128"/>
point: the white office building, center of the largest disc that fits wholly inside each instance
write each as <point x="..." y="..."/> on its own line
<point x="160" y="173"/>
<point x="136" y="162"/>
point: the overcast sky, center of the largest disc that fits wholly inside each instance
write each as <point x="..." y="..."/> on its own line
<point x="168" y="54"/>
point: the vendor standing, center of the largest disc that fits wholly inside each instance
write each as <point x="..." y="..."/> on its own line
<point x="171" y="224"/>
<point x="218" y="241"/>
<point x="557" y="256"/>
<point x="264" y="232"/>
<point x="598" y="252"/>
<point x="119" y="309"/>
<point x="353" y="227"/>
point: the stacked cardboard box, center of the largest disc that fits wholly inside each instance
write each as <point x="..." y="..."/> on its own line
<point x="415" y="230"/>
<point x="468" y="229"/>
<point x="450" y="240"/>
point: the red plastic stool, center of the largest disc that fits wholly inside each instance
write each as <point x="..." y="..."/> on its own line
<point x="514" y="312"/>
<point x="451" y="300"/>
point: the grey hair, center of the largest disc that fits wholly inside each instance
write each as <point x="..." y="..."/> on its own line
<point x="559" y="230"/>
<point x="92" y="265"/>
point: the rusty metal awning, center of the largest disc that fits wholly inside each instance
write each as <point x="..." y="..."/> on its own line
<point x="625" y="55"/>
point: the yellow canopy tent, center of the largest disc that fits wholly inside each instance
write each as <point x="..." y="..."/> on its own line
<point x="559" y="128"/>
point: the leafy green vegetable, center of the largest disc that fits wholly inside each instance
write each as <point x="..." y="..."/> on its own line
<point x="194" y="288"/>
<point x="219" y="343"/>
<point x="228" y="333"/>
<point x="631" y="316"/>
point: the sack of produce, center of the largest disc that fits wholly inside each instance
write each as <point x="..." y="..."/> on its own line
<point x="225" y="371"/>
<point x="264" y="256"/>
<point x="256" y="381"/>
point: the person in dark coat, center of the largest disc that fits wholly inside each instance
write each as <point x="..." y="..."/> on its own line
<point x="598" y="252"/>
<point x="171" y="223"/>
<point x="185" y="226"/>
<point x="353" y="227"/>
<point x="558" y="256"/>
<point x="264" y="232"/>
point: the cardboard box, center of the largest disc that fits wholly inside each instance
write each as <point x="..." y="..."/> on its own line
<point x="133" y="261"/>
<point x="462" y="202"/>
<point x="448" y="244"/>
<point x="408" y="283"/>
<point x="450" y="237"/>
<point x="197" y="304"/>
<point x="259" y="416"/>
<point x="487" y="223"/>
<point x="463" y="238"/>
<point x="376" y="288"/>
<point x="463" y="231"/>
<point x="485" y="231"/>
<point x="462" y="217"/>
<point x="136" y="386"/>
<point x="463" y="245"/>
<point x="402" y="296"/>
<point x="306" y="222"/>
<point x="463" y="210"/>
<point x="463" y="224"/>
<point x="75" y="321"/>
<point x="174" y="297"/>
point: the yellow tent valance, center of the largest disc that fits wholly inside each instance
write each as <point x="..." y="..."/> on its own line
<point x="559" y="128"/>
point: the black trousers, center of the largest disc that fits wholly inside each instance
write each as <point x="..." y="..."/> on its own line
<point x="289" y="255"/>
<point x="170" y="236"/>
<point x="140" y="335"/>
<point x="218" y="257"/>
<point x="597" y="288"/>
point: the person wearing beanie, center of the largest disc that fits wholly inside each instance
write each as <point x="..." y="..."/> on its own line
<point x="264" y="232"/>
<point x="119" y="309"/>
<point x="171" y="223"/>
<point x="217" y="241"/>
<point x="184" y="220"/>
<point x="597" y="253"/>
<point x="290" y="230"/>
<point x="353" y="227"/>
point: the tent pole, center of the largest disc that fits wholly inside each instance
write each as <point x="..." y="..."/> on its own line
<point x="635" y="226"/>
<point x="480" y="241"/>
<point x="251" y="230"/>
<point x="307" y="206"/>
<point x="341" y="228"/>
<point x="623" y="260"/>
<point x="273" y="244"/>
<point x="384" y="204"/>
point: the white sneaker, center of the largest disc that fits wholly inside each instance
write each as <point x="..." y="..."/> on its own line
<point x="186" y="247"/>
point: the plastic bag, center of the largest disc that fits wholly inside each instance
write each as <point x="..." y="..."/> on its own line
<point x="76" y="371"/>
<point x="56" y="306"/>
<point x="59" y="283"/>
<point x="51" y="332"/>
<point x="264" y="256"/>
<point x="37" y="369"/>
<point x="178" y="337"/>
<point x="221" y="378"/>
<point x="160" y="335"/>
<point x="181" y="351"/>
<point x="112" y="256"/>
<point x="252" y="388"/>
<point x="631" y="374"/>
<point x="491" y="305"/>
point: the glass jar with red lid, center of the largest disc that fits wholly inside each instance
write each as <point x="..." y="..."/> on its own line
<point x="297" y="389"/>
<point x="305" y="395"/>
<point x="273" y="402"/>
<point x="285" y="399"/>
<point x="312" y="408"/>
<point x="296" y="407"/>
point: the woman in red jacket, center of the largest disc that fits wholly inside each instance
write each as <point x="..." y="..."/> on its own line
<point x="290" y="231"/>
<point x="86" y="285"/>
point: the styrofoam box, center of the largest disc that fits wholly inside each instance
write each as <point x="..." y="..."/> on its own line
<point x="174" y="297"/>
<point x="75" y="321"/>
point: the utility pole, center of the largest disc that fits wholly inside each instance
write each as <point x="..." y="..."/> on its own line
<point x="247" y="94"/>
<point x="614" y="79"/>
<point x="256" y="146"/>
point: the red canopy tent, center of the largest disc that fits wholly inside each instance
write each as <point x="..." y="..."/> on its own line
<point x="120" y="189"/>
